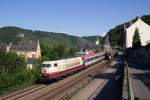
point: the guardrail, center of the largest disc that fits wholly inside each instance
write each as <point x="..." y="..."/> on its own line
<point x="127" y="79"/>
<point x="130" y="89"/>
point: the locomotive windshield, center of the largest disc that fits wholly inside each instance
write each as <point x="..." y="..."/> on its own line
<point x="46" y="65"/>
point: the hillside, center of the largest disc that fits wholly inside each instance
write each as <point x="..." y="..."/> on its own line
<point x="15" y="34"/>
<point x="116" y="35"/>
<point x="93" y="38"/>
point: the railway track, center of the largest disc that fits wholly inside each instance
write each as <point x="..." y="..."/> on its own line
<point x="61" y="89"/>
<point x="18" y="94"/>
<point x="95" y="93"/>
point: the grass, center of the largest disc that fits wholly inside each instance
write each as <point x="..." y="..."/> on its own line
<point x="67" y="98"/>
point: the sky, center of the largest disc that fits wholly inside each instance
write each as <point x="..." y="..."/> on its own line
<point x="74" y="17"/>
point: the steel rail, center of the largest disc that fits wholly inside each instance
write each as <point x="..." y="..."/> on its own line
<point x="24" y="92"/>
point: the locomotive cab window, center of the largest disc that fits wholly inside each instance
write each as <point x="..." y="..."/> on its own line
<point x="46" y="65"/>
<point x="55" y="65"/>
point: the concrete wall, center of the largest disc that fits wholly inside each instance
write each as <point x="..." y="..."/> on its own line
<point x="140" y="57"/>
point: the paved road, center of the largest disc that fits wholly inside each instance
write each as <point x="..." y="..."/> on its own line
<point x="140" y="80"/>
<point x="109" y="90"/>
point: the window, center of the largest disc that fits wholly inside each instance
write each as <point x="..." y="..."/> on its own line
<point x="86" y="60"/>
<point x="46" y="65"/>
<point x="55" y="65"/>
<point x="89" y="59"/>
<point x="33" y="55"/>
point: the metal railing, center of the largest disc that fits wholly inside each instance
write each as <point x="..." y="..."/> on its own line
<point x="130" y="89"/>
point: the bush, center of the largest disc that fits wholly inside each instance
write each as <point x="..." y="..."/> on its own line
<point x="13" y="72"/>
<point x="57" y="52"/>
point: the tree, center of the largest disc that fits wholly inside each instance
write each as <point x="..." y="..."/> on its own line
<point x="148" y="47"/>
<point x="136" y="43"/>
<point x="71" y="51"/>
<point x="60" y="50"/>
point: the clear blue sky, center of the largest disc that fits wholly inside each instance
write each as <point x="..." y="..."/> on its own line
<point x="76" y="17"/>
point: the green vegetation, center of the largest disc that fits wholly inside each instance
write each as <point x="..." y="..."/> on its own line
<point x="67" y="98"/>
<point x="13" y="34"/>
<point x="92" y="39"/>
<point x="136" y="43"/>
<point x="57" y="52"/>
<point x="13" y="72"/>
<point x="148" y="47"/>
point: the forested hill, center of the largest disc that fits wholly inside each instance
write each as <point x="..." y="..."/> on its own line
<point x="15" y="34"/>
<point x="116" y="34"/>
<point x="93" y="38"/>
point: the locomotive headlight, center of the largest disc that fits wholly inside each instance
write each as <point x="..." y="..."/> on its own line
<point x="44" y="71"/>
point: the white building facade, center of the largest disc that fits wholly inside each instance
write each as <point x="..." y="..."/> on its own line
<point x="144" y="32"/>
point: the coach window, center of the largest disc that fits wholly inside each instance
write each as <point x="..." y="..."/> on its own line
<point x="93" y="58"/>
<point x="86" y="60"/>
<point x="89" y="59"/>
<point x="55" y="65"/>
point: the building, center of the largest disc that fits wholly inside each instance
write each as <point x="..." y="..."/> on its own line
<point x="29" y="50"/>
<point x="144" y="32"/>
<point x="4" y="47"/>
